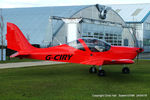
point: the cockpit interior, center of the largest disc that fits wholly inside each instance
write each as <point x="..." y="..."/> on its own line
<point x="95" y="45"/>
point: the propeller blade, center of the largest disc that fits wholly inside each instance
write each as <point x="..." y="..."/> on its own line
<point x="138" y="53"/>
<point x="137" y="58"/>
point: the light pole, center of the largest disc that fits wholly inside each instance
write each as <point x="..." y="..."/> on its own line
<point x="1" y="32"/>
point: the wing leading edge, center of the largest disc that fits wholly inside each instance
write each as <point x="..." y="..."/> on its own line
<point x="100" y="62"/>
<point x="119" y="61"/>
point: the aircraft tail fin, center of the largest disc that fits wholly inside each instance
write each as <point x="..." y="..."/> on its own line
<point x="16" y="40"/>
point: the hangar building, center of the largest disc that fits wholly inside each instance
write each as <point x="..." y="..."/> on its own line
<point x="138" y="17"/>
<point x="49" y="26"/>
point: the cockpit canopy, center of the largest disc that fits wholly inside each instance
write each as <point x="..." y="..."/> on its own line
<point x="95" y="45"/>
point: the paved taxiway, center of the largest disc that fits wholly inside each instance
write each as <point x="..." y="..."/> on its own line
<point x="27" y="64"/>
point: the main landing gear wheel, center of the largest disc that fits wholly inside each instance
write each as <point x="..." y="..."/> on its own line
<point x="125" y="70"/>
<point x="101" y="73"/>
<point x="93" y="70"/>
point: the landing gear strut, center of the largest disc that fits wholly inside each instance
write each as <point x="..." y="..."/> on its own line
<point x="125" y="70"/>
<point x="101" y="72"/>
<point x="93" y="70"/>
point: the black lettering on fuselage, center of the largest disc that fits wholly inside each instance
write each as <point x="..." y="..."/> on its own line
<point x="48" y="57"/>
<point x="69" y="56"/>
<point x="58" y="57"/>
<point x="64" y="57"/>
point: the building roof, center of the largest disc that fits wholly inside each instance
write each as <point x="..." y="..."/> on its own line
<point x="132" y="12"/>
<point x="34" y="23"/>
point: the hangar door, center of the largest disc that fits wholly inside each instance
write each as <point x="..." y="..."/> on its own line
<point x="111" y="34"/>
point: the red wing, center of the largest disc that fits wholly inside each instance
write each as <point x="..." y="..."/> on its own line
<point x="119" y="61"/>
<point x="96" y="61"/>
<point x="125" y="61"/>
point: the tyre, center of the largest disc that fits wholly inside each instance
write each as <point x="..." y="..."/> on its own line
<point x="125" y="70"/>
<point x="93" y="70"/>
<point x="101" y="73"/>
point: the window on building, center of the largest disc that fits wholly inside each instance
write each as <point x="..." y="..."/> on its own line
<point x="113" y="39"/>
<point x="146" y="42"/>
<point x="136" y="12"/>
<point x="147" y="26"/>
<point x="126" y="42"/>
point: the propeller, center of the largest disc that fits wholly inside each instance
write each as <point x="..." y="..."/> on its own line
<point x="137" y="58"/>
<point x="137" y="44"/>
<point x="139" y="50"/>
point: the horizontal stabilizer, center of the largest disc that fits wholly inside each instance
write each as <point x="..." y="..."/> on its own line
<point x="19" y="54"/>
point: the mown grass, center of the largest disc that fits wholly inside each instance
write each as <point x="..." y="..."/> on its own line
<point x="73" y="82"/>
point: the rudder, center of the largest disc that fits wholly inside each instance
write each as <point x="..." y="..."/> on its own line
<point x="16" y="40"/>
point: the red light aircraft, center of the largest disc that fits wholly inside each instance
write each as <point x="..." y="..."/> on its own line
<point x="89" y="51"/>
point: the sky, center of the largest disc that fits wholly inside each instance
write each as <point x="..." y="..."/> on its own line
<point x="39" y="3"/>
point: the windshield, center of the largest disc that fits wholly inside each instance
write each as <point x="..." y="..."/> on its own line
<point x="76" y="44"/>
<point x="96" y="45"/>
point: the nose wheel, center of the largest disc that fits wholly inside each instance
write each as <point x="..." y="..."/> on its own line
<point x="125" y="70"/>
